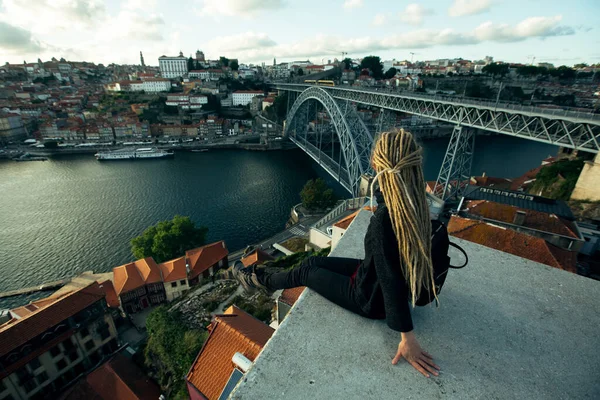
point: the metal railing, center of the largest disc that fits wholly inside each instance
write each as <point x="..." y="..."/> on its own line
<point x="341" y="208"/>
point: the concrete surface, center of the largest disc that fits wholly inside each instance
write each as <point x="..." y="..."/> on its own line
<point x="506" y="328"/>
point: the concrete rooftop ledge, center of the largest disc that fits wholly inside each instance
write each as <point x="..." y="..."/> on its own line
<point x="506" y="328"/>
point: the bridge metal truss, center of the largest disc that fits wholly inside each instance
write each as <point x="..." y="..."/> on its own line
<point x="581" y="133"/>
<point x="354" y="137"/>
<point x="456" y="168"/>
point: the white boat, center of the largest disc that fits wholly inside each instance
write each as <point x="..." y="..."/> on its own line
<point x="137" y="154"/>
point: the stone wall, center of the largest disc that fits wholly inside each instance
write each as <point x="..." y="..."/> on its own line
<point x="588" y="184"/>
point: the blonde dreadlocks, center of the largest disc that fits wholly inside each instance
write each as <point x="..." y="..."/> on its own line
<point x="397" y="159"/>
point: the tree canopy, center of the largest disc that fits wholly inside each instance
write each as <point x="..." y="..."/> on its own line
<point x="234" y="65"/>
<point x="300" y="72"/>
<point x="390" y="73"/>
<point x="224" y="61"/>
<point x="563" y="72"/>
<point x="168" y="239"/>
<point x="316" y="195"/>
<point x="373" y="64"/>
<point x="495" y="69"/>
<point x="191" y="64"/>
<point x="347" y="63"/>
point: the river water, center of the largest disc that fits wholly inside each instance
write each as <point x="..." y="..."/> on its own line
<point x="73" y="214"/>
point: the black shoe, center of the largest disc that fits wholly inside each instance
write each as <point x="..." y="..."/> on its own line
<point x="249" y="277"/>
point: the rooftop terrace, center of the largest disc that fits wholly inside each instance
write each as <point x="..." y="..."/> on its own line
<point x="506" y="328"/>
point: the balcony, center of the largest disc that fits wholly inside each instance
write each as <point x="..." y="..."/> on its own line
<point x="506" y="328"/>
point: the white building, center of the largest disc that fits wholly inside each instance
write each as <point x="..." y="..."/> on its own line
<point x="173" y="67"/>
<point x="244" y="97"/>
<point x="175" y="278"/>
<point x="156" y="85"/>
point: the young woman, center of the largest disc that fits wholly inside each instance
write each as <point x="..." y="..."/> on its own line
<point x="397" y="271"/>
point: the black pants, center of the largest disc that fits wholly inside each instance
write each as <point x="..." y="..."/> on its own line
<point x="328" y="276"/>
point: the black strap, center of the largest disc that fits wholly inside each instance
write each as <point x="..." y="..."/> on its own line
<point x="464" y="253"/>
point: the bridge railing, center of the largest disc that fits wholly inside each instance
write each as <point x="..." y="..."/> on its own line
<point x="459" y="100"/>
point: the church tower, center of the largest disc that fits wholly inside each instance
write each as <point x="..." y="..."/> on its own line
<point x="142" y="59"/>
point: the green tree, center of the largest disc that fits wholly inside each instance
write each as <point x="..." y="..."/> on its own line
<point x="373" y="64"/>
<point x="213" y="104"/>
<point x="224" y="61"/>
<point x="168" y="239"/>
<point x="234" y="65"/>
<point x="390" y="73"/>
<point x="316" y="195"/>
<point x="563" y="72"/>
<point x="171" y="349"/>
<point x="300" y="72"/>
<point x="190" y="64"/>
<point x="580" y="65"/>
<point x="495" y="69"/>
<point x="347" y="63"/>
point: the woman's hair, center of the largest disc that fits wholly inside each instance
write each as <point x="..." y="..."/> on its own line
<point x="397" y="159"/>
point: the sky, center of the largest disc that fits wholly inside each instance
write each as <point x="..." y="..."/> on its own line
<point x="255" y="31"/>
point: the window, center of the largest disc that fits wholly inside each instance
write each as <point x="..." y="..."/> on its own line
<point x="34" y="364"/>
<point x="85" y="332"/>
<point x="73" y="355"/>
<point x="89" y="345"/>
<point x="29" y="385"/>
<point x="182" y="282"/>
<point x="61" y="364"/>
<point x="55" y="351"/>
<point x="67" y="344"/>
<point x="42" y="377"/>
<point x="173" y="284"/>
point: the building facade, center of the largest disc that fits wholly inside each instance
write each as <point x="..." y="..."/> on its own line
<point x="50" y="342"/>
<point x="175" y="280"/>
<point x="173" y="67"/>
<point x="139" y="285"/>
<point x="244" y="97"/>
<point x="12" y="128"/>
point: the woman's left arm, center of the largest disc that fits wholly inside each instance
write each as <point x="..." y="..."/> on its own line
<point x="410" y="349"/>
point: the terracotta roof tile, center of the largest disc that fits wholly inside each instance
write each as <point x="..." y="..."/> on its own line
<point x="173" y="270"/>
<point x="256" y="257"/>
<point x="117" y="379"/>
<point x="345" y="222"/>
<point x="533" y="219"/>
<point x="135" y="275"/>
<point x="111" y="295"/>
<point x="18" y="332"/>
<point x="289" y="296"/>
<point x="513" y="242"/>
<point x="230" y="333"/>
<point x="204" y="257"/>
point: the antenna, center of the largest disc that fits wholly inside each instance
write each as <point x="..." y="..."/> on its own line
<point x="411" y="56"/>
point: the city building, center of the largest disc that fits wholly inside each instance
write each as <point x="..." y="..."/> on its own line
<point x="139" y="285"/>
<point x="173" y="67"/>
<point x="200" y="56"/>
<point x="286" y="301"/>
<point x="244" y="97"/>
<point x="235" y="340"/>
<point x="205" y="261"/>
<point x="256" y="257"/>
<point x="11" y="128"/>
<point x="210" y="127"/>
<point x="256" y="103"/>
<point x="117" y="379"/>
<point x="588" y="187"/>
<point x="49" y="342"/>
<point x="174" y="277"/>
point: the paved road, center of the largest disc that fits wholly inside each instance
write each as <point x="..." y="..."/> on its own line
<point x="301" y="229"/>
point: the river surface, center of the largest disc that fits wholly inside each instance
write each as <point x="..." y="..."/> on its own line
<point x="73" y="214"/>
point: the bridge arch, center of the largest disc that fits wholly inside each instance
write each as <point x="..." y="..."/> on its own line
<point x="354" y="137"/>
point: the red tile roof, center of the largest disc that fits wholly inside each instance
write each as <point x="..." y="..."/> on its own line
<point x="345" y="222"/>
<point x="111" y="295"/>
<point x="533" y="219"/>
<point x="256" y="257"/>
<point x="173" y="270"/>
<point x="117" y="379"/>
<point x="135" y="275"/>
<point x="204" y="257"/>
<point x="502" y="183"/>
<point x="15" y="333"/>
<point x="289" y="296"/>
<point x="230" y="333"/>
<point x="513" y="242"/>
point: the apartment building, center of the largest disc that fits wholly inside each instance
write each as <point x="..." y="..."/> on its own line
<point x="50" y="342"/>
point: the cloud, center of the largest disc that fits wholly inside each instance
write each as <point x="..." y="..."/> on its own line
<point x="531" y="27"/>
<point x="413" y="14"/>
<point x="243" y="8"/>
<point x="17" y="40"/>
<point x="379" y="20"/>
<point x="256" y="47"/>
<point x="469" y="7"/>
<point x="240" y="42"/>
<point x="350" y="4"/>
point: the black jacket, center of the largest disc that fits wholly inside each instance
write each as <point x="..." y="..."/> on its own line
<point x="380" y="287"/>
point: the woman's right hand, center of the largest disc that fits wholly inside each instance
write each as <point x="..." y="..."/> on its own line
<point x="410" y="349"/>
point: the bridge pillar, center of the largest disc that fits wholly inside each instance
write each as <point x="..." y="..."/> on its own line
<point x="456" y="169"/>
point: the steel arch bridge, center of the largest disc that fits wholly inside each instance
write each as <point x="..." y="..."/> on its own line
<point x="354" y="137"/>
<point x="576" y="130"/>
